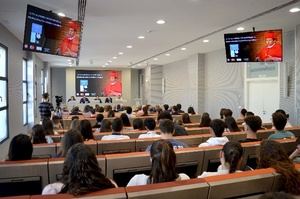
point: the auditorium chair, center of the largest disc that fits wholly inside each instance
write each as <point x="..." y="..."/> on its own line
<point x="142" y="144"/>
<point x="211" y="159"/>
<point x="235" y="136"/>
<point x="190" y="140"/>
<point x="197" y="131"/>
<point x="99" y="135"/>
<point x="116" y="146"/>
<point x="251" y="153"/>
<point x="185" y="189"/>
<point x="264" y="134"/>
<point x="44" y="150"/>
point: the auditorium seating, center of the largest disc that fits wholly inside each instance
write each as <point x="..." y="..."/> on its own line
<point x="44" y="150"/>
<point x="116" y="146"/>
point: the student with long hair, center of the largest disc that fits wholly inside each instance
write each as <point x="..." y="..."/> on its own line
<point x="205" y="120"/>
<point x="230" y="157"/>
<point x="186" y="118"/>
<point x="105" y="126"/>
<point x="20" y="148"/>
<point x="86" y="130"/>
<point x="273" y="155"/>
<point x="81" y="174"/>
<point x="231" y="124"/>
<point x="38" y="134"/>
<point x="125" y="120"/>
<point x="163" y="166"/>
<point x="71" y="137"/>
<point x="191" y="111"/>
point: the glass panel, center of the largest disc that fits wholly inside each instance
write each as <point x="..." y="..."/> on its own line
<point x="3" y="100"/>
<point x="24" y="92"/>
<point x="262" y="70"/>
<point x="24" y="113"/>
<point x="3" y="124"/>
<point x="24" y="70"/>
<point x="2" y="62"/>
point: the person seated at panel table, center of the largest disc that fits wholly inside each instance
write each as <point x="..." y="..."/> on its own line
<point x="72" y="98"/>
<point x="98" y="99"/>
<point x="84" y="100"/>
<point x="279" y="122"/>
<point x="117" y="127"/>
<point x="230" y="158"/>
<point x="217" y="127"/>
<point x="163" y="166"/>
<point x="108" y="100"/>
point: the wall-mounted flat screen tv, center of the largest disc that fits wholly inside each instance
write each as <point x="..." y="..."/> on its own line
<point x="260" y="46"/>
<point x="46" y="32"/>
<point x="93" y="83"/>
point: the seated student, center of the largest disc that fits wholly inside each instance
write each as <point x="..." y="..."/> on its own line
<point x="72" y="98"/>
<point x="71" y="137"/>
<point x="227" y="112"/>
<point x="20" y="148"/>
<point x="138" y="124"/>
<point x="242" y="114"/>
<point x="205" y="120"/>
<point x="163" y="166"/>
<point x="222" y="113"/>
<point x="128" y="111"/>
<point x="252" y="125"/>
<point x="81" y="174"/>
<point x="99" y="119"/>
<point x="166" y="127"/>
<point x="150" y="125"/>
<point x="86" y="130"/>
<point x="117" y="127"/>
<point x="143" y="112"/>
<point x="191" y="111"/>
<point x="174" y="110"/>
<point x="288" y="124"/>
<point x="48" y="129"/>
<point x="38" y="134"/>
<point x="84" y="100"/>
<point x="273" y="155"/>
<point x="111" y="113"/>
<point x="75" y="111"/>
<point x="231" y="124"/>
<point x="216" y="129"/>
<point x="279" y="122"/>
<point x="105" y="126"/>
<point x="166" y="107"/>
<point x="186" y="118"/>
<point x="179" y="108"/>
<point x="230" y="158"/>
<point x="125" y="120"/>
<point x="179" y="129"/>
<point x="56" y="123"/>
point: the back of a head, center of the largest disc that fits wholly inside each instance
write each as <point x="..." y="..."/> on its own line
<point x="117" y="125"/>
<point x="163" y="160"/>
<point x="279" y="120"/>
<point x="227" y="113"/>
<point x="164" y="115"/>
<point x="231" y="124"/>
<point x="105" y="126"/>
<point x="166" y="126"/>
<point x="272" y="154"/>
<point x="282" y="112"/>
<point x="125" y="119"/>
<point x="56" y="119"/>
<point x="175" y="109"/>
<point x="128" y="110"/>
<point x="20" y="148"/>
<point x="253" y="122"/>
<point x="186" y="118"/>
<point x="70" y="138"/>
<point x="249" y="113"/>
<point x="111" y="113"/>
<point x="99" y="118"/>
<point x="166" y="107"/>
<point x="81" y="172"/>
<point x="243" y="112"/>
<point x="205" y="120"/>
<point x="150" y="124"/>
<point x="86" y="130"/>
<point x="138" y="123"/>
<point x="48" y="126"/>
<point x="75" y="124"/>
<point x="222" y="113"/>
<point x="178" y="107"/>
<point x="145" y="110"/>
<point x="191" y="110"/>
<point x="38" y="134"/>
<point x="218" y="127"/>
<point x="233" y="153"/>
<point x="45" y="96"/>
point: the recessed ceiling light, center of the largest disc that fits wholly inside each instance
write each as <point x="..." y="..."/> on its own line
<point x="61" y="14"/>
<point x="128" y="46"/>
<point x="167" y="54"/>
<point x="109" y="61"/>
<point x="106" y="64"/>
<point x="240" y="28"/>
<point x="293" y="10"/>
<point x="115" y="57"/>
<point x="183" y="48"/>
<point x="155" y="59"/>
<point x="160" y="21"/>
<point x="141" y="37"/>
<point x="120" y="53"/>
<point x="205" y="41"/>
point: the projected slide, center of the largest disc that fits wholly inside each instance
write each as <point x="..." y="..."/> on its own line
<point x="93" y="83"/>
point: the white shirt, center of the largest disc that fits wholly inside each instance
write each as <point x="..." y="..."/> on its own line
<point x="221" y="171"/>
<point x="149" y="134"/>
<point x="115" y="137"/>
<point x="215" y="141"/>
<point x="142" y="179"/>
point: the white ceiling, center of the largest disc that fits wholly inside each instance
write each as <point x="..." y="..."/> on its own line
<point x="110" y="25"/>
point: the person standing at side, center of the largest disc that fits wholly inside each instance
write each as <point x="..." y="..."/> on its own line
<point x="45" y="107"/>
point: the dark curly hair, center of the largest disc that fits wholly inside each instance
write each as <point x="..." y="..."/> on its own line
<point x="81" y="172"/>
